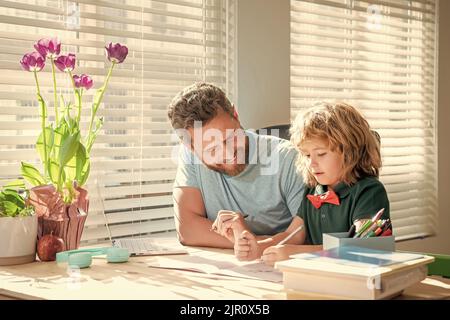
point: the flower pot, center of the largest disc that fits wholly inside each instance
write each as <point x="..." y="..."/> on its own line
<point x="58" y="218"/>
<point x="18" y="238"/>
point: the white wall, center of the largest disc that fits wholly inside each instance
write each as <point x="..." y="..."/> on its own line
<point x="263" y="91"/>
<point x="263" y="62"/>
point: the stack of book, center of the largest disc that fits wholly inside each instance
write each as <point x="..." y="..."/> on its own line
<point x="352" y="273"/>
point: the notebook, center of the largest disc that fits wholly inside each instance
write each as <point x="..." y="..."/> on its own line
<point x="357" y="256"/>
<point x="149" y="246"/>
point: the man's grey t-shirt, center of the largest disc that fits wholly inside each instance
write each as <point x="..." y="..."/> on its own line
<point x="269" y="190"/>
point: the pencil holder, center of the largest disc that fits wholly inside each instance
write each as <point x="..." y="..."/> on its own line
<point x="332" y="240"/>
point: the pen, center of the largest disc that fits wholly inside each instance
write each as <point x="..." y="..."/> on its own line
<point x="351" y="232"/>
<point x="378" y="215"/>
<point x="291" y="235"/>
<point x="371" y="228"/>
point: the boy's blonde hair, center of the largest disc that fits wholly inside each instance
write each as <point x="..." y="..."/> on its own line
<point x="347" y="132"/>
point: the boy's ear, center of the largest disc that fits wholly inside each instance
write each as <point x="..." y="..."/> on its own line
<point x="235" y="114"/>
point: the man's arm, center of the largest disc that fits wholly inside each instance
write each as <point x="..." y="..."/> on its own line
<point x="193" y="227"/>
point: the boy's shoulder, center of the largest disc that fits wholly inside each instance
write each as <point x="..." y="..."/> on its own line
<point x="367" y="183"/>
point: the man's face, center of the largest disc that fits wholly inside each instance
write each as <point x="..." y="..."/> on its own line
<point x="221" y="144"/>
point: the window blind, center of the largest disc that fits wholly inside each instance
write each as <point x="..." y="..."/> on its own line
<point x="172" y="43"/>
<point x="379" y="56"/>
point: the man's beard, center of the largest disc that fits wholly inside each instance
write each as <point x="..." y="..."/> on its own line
<point x="237" y="168"/>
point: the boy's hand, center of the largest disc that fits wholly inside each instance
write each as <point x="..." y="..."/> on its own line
<point x="275" y="253"/>
<point x="246" y="247"/>
<point x="358" y="223"/>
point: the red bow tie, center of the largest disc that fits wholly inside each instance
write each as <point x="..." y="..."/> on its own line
<point x="329" y="197"/>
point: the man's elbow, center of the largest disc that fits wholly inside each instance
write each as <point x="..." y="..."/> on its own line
<point x="185" y="237"/>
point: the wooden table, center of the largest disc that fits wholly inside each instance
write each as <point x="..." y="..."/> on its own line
<point x="136" y="280"/>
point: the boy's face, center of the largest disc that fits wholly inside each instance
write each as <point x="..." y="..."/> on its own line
<point x="221" y="144"/>
<point x="325" y="165"/>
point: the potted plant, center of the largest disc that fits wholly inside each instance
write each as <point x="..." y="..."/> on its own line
<point x="58" y="194"/>
<point x="18" y="226"/>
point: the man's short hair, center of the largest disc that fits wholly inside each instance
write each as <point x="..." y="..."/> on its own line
<point x="198" y="102"/>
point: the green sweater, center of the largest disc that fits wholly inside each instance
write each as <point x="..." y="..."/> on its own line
<point x="359" y="201"/>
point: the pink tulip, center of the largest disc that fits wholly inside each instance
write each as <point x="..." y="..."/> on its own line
<point x="116" y="52"/>
<point x="32" y="62"/>
<point x="65" y="63"/>
<point x="48" y="48"/>
<point x="83" y="81"/>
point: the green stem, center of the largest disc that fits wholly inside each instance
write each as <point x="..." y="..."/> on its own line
<point x="94" y="110"/>
<point x="44" y="135"/>
<point x="79" y="106"/>
<point x="54" y="92"/>
<point x="59" y="185"/>
<point x="75" y="95"/>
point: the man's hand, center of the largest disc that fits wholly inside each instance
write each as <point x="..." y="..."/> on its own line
<point x="246" y="247"/>
<point x="228" y="223"/>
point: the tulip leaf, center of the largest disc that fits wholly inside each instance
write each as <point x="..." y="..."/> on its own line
<point x="84" y="175"/>
<point x="69" y="147"/>
<point x="31" y="174"/>
<point x="14" y="185"/>
<point x="60" y="134"/>
<point x="77" y="167"/>
<point x="83" y="165"/>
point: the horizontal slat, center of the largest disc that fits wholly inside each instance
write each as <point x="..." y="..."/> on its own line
<point x="306" y="102"/>
<point x="121" y="191"/>
<point x="303" y="40"/>
<point x="361" y="37"/>
<point x="407" y="195"/>
<point x="341" y="11"/>
<point x="368" y="86"/>
<point x="16" y="154"/>
<point x="356" y="26"/>
<point x="317" y="74"/>
<point x="410" y="159"/>
<point x="129" y="203"/>
<point x="356" y="95"/>
<point x="94" y="16"/>
<point x="100" y="166"/>
<point x="357" y="56"/>
<point x="128" y="229"/>
<point x="87" y="43"/>
<point x="348" y="65"/>
<point x="129" y="139"/>
<point x="115" y="178"/>
<point x="126" y="216"/>
<point x="55" y="25"/>
<point x="405" y="178"/>
<point x="108" y="125"/>
<point x="408" y="186"/>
